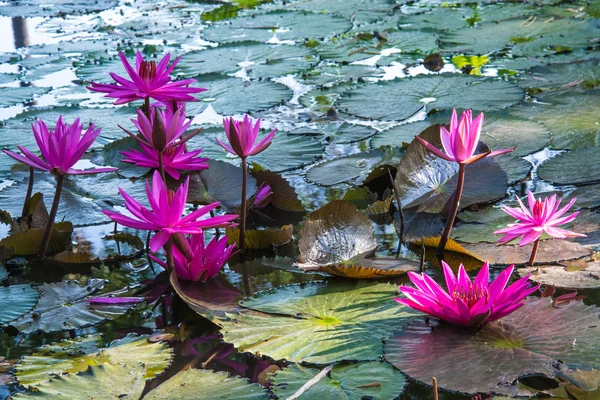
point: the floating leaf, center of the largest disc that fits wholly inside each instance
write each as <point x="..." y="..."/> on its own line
<point x="201" y="384"/>
<point x="400" y="99"/>
<point x="76" y="355"/>
<point x="19" y="95"/>
<point x="125" y="245"/>
<point x="521" y="343"/>
<point x="43" y="8"/>
<point x="103" y="382"/>
<point x="28" y="242"/>
<point x="354" y="168"/>
<point x="258" y="239"/>
<point x="582" y="74"/>
<point x="15" y="301"/>
<point x="572" y="168"/>
<point x="211" y="299"/>
<point x="317" y="323"/>
<point x="283" y="25"/>
<point x="581" y="278"/>
<point x="427" y="181"/>
<point x="62" y="306"/>
<point x="373" y="380"/>
<point x="284" y="196"/>
<point x="399" y="136"/>
<point x="112" y="155"/>
<point x="364" y="268"/>
<point x="335" y="234"/>
<point x="221" y="182"/>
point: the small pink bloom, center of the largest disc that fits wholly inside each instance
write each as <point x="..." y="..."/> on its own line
<point x="466" y="303"/>
<point x="542" y="216"/>
<point x="165" y="213"/>
<point x="206" y="261"/>
<point x="175" y="159"/>
<point x="61" y="148"/>
<point x="461" y="142"/>
<point x="147" y="80"/>
<point x="241" y="136"/>
<point x="263" y="196"/>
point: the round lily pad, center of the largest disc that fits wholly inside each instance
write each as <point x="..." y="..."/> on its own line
<point x="19" y="95"/>
<point x="62" y="306"/>
<point x="257" y="60"/>
<point x="572" y="168"/>
<point x="283" y="25"/>
<point x="201" y="384"/>
<point x="76" y="355"/>
<point x="102" y="382"/>
<point x="354" y="168"/>
<point x="373" y="380"/>
<point x="584" y="74"/>
<point x="112" y="155"/>
<point x="582" y="276"/>
<point x="427" y="181"/>
<point x="399" y="136"/>
<point x="319" y="323"/>
<point x="260" y="239"/>
<point x="15" y="301"/>
<point x="523" y="342"/>
<point x="401" y="99"/>
<point x="45" y="8"/>
<point x="365" y="268"/>
<point x="335" y="234"/>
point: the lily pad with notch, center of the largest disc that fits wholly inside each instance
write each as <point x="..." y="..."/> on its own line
<point x="15" y="301"/>
<point x="577" y="277"/>
<point x="318" y="323"/>
<point x="575" y="167"/>
<point x="521" y="343"/>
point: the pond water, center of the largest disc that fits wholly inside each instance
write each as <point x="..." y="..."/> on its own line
<point x="347" y="84"/>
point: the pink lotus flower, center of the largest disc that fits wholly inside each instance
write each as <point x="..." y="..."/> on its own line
<point x="148" y="80"/>
<point x="165" y="214"/>
<point x="174" y="159"/>
<point x="61" y="148"/>
<point x="542" y="216"/>
<point x="206" y="261"/>
<point x="263" y="196"/>
<point x="471" y="304"/>
<point x="163" y="129"/>
<point x="462" y="140"/>
<point x="242" y="135"/>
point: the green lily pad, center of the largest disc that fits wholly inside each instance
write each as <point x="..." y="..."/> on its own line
<point x="112" y="155"/>
<point x="539" y="37"/>
<point x="62" y="306"/>
<point x="260" y="239"/>
<point x="572" y="126"/>
<point x="102" y="382"/>
<point x="284" y="25"/>
<point x="354" y="168"/>
<point x="20" y="95"/>
<point x="28" y="242"/>
<point x="426" y="181"/>
<point x="334" y="234"/>
<point x="523" y="342"/>
<point x="401" y="99"/>
<point x="399" y="136"/>
<point x="334" y="74"/>
<point x="366" y="268"/>
<point x="114" y="247"/>
<point x="221" y="182"/>
<point x="45" y="8"/>
<point x="374" y="380"/>
<point x="288" y="152"/>
<point x="233" y="96"/>
<point x="15" y="301"/>
<point x="584" y="75"/>
<point x="585" y="277"/>
<point x="572" y="168"/>
<point x="319" y="323"/>
<point x="258" y="60"/>
<point x="284" y="195"/>
<point x="357" y="10"/>
<point x="76" y="355"/>
<point x="201" y="384"/>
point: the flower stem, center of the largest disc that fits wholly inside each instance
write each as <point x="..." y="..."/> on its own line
<point x="536" y="244"/>
<point x="46" y="238"/>
<point x="169" y="252"/>
<point x="452" y="216"/>
<point x="161" y="167"/>
<point x="242" y="243"/>
<point x="217" y="232"/>
<point x="147" y="108"/>
<point x="29" y="191"/>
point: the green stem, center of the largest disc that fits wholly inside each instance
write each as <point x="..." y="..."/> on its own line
<point x="29" y="191"/>
<point x="217" y="232"/>
<point x="242" y="243"/>
<point x="46" y="238"/>
<point x="534" y="251"/>
<point x="169" y="252"/>
<point x="452" y="216"/>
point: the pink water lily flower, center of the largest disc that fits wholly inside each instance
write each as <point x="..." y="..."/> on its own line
<point x="460" y="143"/>
<point x="466" y="303"/>
<point x="542" y="216"/>
<point x="242" y="136"/>
<point x="175" y="159"/>
<point x="148" y="80"/>
<point x="61" y="148"/>
<point x="206" y="262"/>
<point x="163" y="129"/>
<point x="165" y="213"/>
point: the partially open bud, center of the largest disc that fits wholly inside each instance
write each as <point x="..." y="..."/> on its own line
<point x="147" y="70"/>
<point x="235" y="135"/>
<point x="159" y="136"/>
<point x="263" y="196"/>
